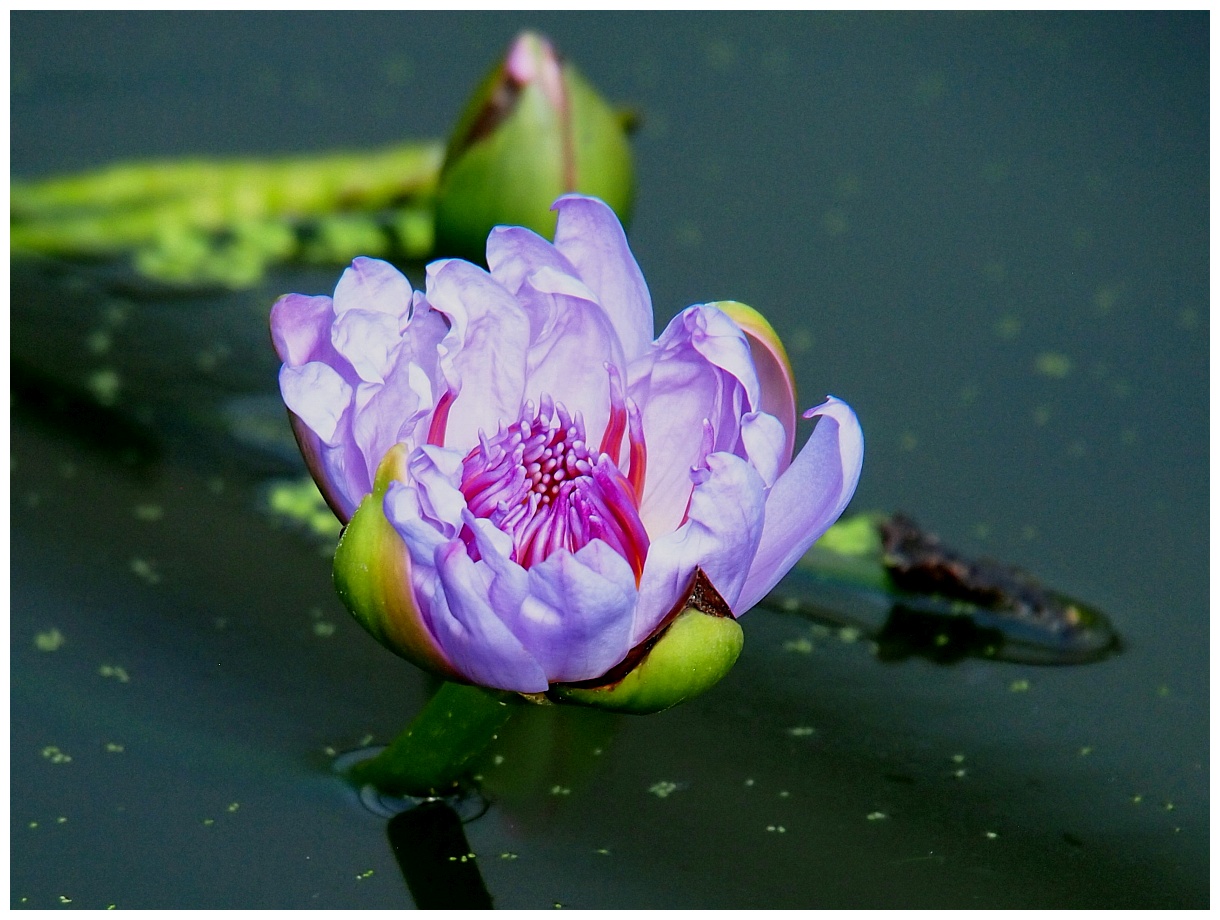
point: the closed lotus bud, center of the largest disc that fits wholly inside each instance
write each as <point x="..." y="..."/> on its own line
<point x="534" y="130"/>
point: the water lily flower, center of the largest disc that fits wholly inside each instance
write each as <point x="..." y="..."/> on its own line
<point x="533" y="486"/>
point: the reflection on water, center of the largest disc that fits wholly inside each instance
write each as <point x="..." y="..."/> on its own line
<point x="981" y="231"/>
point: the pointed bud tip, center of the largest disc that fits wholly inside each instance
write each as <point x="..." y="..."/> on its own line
<point x="530" y="56"/>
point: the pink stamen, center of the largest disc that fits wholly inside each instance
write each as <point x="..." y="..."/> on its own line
<point x="639" y="451"/>
<point x="612" y="438"/>
<point x="538" y="482"/>
<point x="440" y="419"/>
<point x="699" y="471"/>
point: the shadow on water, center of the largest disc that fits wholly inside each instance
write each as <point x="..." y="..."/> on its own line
<point x="436" y="860"/>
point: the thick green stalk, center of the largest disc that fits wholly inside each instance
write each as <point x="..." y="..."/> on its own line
<point x="432" y="755"/>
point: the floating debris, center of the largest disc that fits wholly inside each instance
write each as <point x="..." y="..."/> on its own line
<point x="55" y="755"/>
<point x="98" y="342"/>
<point x="104" y="384"/>
<point x="299" y="502"/>
<point x="49" y="641"/>
<point x="115" y="671"/>
<point x="885" y="579"/>
<point x="663" y="789"/>
<point x="1052" y="364"/>
<point x="144" y="570"/>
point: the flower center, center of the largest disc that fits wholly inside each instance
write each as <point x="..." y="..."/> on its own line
<point x="539" y="482"/>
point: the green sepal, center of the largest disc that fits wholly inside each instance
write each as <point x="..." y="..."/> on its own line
<point x="690" y="654"/>
<point x="372" y="572"/>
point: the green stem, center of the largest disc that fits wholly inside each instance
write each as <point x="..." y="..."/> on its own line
<point x="432" y="755"/>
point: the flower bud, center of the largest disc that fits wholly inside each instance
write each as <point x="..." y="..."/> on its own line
<point x="534" y="130"/>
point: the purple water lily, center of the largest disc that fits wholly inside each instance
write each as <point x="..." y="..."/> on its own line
<point x="550" y="477"/>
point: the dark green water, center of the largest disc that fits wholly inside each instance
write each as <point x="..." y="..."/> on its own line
<point x="988" y="233"/>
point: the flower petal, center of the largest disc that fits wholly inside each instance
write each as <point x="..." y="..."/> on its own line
<point x="366" y="339"/>
<point x="766" y="445"/>
<point x="374" y="286"/>
<point x="318" y="395"/>
<point x="399" y="410"/>
<point x="576" y="619"/>
<point x="808" y="497"/>
<point x="568" y="361"/>
<point x="775" y="378"/>
<point x="720" y="536"/>
<point x="691" y="374"/>
<point x="437" y="472"/>
<point x="720" y="340"/>
<point x="572" y="612"/>
<point x="515" y="252"/>
<point x="393" y="411"/>
<point x="329" y="467"/>
<point x="486" y="348"/>
<point x="426" y="506"/>
<point x="589" y="234"/>
<point x="469" y="631"/>
<point x="404" y="509"/>
<point x="300" y="328"/>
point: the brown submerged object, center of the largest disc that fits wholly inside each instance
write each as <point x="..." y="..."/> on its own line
<point x="1030" y="621"/>
<point x="902" y="588"/>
